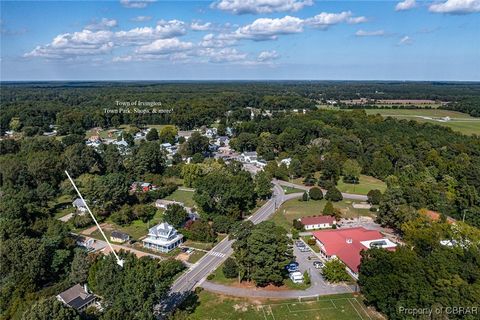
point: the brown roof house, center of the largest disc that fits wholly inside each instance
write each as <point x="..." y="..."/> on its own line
<point x="77" y="297"/>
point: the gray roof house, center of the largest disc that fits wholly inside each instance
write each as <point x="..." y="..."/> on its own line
<point x="80" y="205"/>
<point x="77" y="297"/>
<point x="162" y="237"/>
<point x="118" y="236"/>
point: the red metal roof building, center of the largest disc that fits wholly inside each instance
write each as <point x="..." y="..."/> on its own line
<point x="346" y="244"/>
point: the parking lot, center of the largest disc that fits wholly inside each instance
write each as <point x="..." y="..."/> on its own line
<point x="305" y="262"/>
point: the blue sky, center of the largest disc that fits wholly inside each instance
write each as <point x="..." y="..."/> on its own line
<point x="240" y="39"/>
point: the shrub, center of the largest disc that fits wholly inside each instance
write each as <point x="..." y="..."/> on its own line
<point x="333" y="194"/>
<point x="297" y="225"/>
<point x="374" y="197"/>
<point x="315" y="193"/>
<point x="230" y="268"/>
<point x="328" y="210"/>
<point x="211" y="276"/>
<point x="311" y="241"/>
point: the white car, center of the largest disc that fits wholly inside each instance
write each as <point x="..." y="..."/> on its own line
<point x="297" y="277"/>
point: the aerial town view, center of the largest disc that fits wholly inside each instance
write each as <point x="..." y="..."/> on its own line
<point x="240" y="160"/>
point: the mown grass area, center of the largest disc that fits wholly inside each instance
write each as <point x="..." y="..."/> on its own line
<point x="182" y="196"/>
<point x="459" y="121"/>
<point x="334" y="307"/>
<point x="220" y="278"/>
<point x="289" y="190"/>
<point x="295" y="209"/>
<point x="61" y="206"/>
<point x="204" y="245"/>
<point x="195" y="256"/>
<point x="136" y="230"/>
<point x="366" y="183"/>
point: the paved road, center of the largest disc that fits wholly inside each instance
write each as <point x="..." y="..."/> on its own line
<point x="197" y="274"/>
<point x="352" y="196"/>
<point x="215" y="257"/>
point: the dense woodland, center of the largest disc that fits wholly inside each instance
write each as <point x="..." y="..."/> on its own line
<point x="425" y="167"/>
<point x="77" y="106"/>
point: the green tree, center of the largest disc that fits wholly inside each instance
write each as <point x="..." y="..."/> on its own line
<point x="295" y="168"/>
<point x="52" y="309"/>
<point x="263" y="185"/>
<point x="315" y="193"/>
<point x="305" y="196"/>
<point x="152" y="135"/>
<point x="374" y="196"/>
<point x="168" y="134"/>
<point x="147" y="158"/>
<point x="333" y="194"/>
<point x="262" y="252"/>
<point x="328" y="210"/>
<point x="176" y="215"/>
<point x="79" y="267"/>
<point x="351" y="171"/>
<point x="200" y="230"/>
<point x="123" y="216"/>
<point x="334" y="271"/>
<point x="144" y="212"/>
<point x="230" y="268"/>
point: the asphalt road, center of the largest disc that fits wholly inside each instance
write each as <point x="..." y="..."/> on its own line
<point x="197" y="273"/>
<point x="215" y="257"/>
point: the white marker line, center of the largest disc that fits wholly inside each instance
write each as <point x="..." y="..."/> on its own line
<point x="349" y="300"/>
<point x="119" y="261"/>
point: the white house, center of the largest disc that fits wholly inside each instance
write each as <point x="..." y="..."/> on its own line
<point x="286" y="161"/>
<point x="162" y="237"/>
<point x="317" y="222"/>
<point x="80" y="205"/>
<point x="222" y="141"/>
<point x="248" y="157"/>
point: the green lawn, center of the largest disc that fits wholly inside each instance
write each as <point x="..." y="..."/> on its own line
<point x="195" y="256"/>
<point x="289" y="190"/>
<point x="334" y="307"/>
<point x="137" y="229"/>
<point x="365" y="184"/>
<point x="219" y="277"/>
<point x="294" y="209"/>
<point x="461" y="122"/>
<point x="182" y="196"/>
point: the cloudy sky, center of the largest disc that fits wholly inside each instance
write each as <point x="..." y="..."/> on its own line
<point x="240" y="39"/>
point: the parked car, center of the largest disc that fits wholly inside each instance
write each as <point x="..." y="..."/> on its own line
<point x="304" y="249"/>
<point x="318" y="264"/>
<point x="292" y="267"/>
<point x="297" y="277"/>
<point x="299" y="244"/>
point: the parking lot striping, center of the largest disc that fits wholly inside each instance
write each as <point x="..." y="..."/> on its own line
<point x="363" y="309"/>
<point x="355" y="309"/>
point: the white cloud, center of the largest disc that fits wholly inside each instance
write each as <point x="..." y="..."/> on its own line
<point x="211" y="41"/>
<point x="102" y="24"/>
<point x="266" y="56"/>
<point x="141" y="19"/>
<point x="197" y="26"/>
<point x="325" y="19"/>
<point x="405" y="40"/>
<point x="163" y="30"/>
<point x="456" y="7"/>
<point x="164" y="46"/>
<point x="82" y="43"/>
<point x="260" y="6"/>
<point x="269" y="29"/>
<point x="223" y="55"/>
<point x="363" y="33"/>
<point x="136" y="4"/>
<point x="405" y="5"/>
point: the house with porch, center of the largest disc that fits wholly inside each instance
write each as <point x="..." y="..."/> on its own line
<point x="162" y="237"/>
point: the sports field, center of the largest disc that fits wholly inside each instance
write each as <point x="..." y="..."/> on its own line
<point x="458" y="121"/>
<point x="337" y="307"/>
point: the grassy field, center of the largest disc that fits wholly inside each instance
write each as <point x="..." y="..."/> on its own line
<point x="195" y="256"/>
<point x="289" y="190"/>
<point x="461" y="122"/>
<point x="182" y="196"/>
<point x="294" y="209"/>
<point x="365" y="184"/>
<point x="335" y="307"/>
